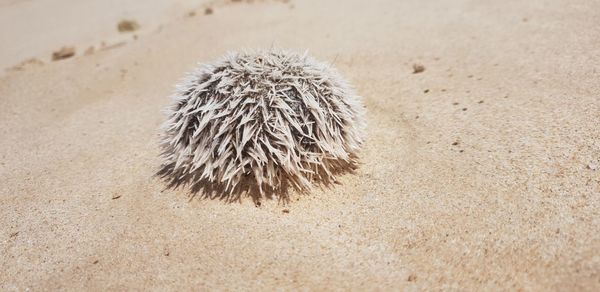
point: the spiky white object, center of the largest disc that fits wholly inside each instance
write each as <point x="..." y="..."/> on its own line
<point x="270" y="118"/>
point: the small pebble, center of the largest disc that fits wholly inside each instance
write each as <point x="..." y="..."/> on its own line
<point x="127" y="26"/>
<point x="418" y="68"/>
<point x="63" y="53"/>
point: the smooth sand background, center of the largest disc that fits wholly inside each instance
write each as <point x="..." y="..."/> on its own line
<point x="489" y="180"/>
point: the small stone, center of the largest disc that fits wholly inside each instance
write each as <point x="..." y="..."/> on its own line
<point x="116" y="196"/>
<point x="63" y="53"/>
<point x="426" y="90"/>
<point x="286" y="211"/>
<point x="127" y="26"/>
<point x="592" y="166"/>
<point x="208" y="11"/>
<point x="412" y="278"/>
<point x="418" y="68"/>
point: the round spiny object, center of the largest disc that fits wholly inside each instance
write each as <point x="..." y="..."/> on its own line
<point x="270" y="119"/>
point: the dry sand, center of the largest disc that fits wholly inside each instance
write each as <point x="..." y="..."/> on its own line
<point x="482" y="172"/>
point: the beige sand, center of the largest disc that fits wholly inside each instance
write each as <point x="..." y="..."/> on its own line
<point x="482" y="172"/>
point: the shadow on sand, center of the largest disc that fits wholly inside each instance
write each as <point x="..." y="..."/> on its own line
<point x="205" y="189"/>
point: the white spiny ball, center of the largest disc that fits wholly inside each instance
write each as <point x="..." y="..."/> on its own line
<point x="264" y="119"/>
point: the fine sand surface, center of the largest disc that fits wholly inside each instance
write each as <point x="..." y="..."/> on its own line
<point x="480" y="173"/>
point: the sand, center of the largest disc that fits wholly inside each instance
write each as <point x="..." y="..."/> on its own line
<point x="480" y="173"/>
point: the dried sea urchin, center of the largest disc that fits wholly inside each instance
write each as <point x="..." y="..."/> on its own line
<point x="270" y="119"/>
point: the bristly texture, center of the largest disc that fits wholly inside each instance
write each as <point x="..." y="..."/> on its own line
<point x="271" y="119"/>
